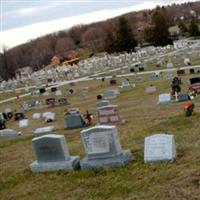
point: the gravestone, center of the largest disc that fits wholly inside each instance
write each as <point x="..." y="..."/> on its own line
<point x="53" y="89"/>
<point x="103" y="149"/>
<point x="63" y="102"/>
<point x="151" y="89"/>
<point x="84" y="92"/>
<point x="49" y="116"/>
<point x="51" y="102"/>
<point x="111" y="94"/>
<point x="8" y="133"/>
<point x="170" y="65"/>
<point x="164" y="98"/>
<point x="183" y="97"/>
<point x="44" y="130"/>
<point x="58" y="93"/>
<point x="74" y="120"/>
<point x="103" y="103"/>
<point x="36" y="116"/>
<point x="159" y="148"/>
<point x="45" y="94"/>
<point x="108" y="115"/>
<point x="169" y="76"/>
<point x="194" y="80"/>
<point x="52" y="154"/>
<point x="23" y="123"/>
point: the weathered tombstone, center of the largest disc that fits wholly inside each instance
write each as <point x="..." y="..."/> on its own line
<point x="103" y="103"/>
<point x="170" y="65"/>
<point x="169" y="76"/>
<point x="111" y="94"/>
<point x="49" y="117"/>
<point x="108" y="115"/>
<point x="52" y="154"/>
<point x="44" y="130"/>
<point x="8" y="133"/>
<point x="36" y="116"/>
<point x="74" y="120"/>
<point x="103" y="149"/>
<point x="164" y="98"/>
<point x="151" y="89"/>
<point x="23" y="123"/>
<point x="183" y="97"/>
<point x="84" y="92"/>
<point x="159" y="148"/>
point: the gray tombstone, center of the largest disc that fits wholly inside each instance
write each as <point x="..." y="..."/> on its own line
<point x="52" y="154"/>
<point x="183" y="97"/>
<point x="44" y="130"/>
<point x="8" y="133"/>
<point x="103" y="103"/>
<point x="110" y="94"/>
<point x="74" y="120"/>
<point x="103" y="148"/>
<point x="159" y="148"/>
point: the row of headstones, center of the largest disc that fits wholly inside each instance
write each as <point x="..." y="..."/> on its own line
<point x="102" y="147"/>
<point x="47" y="116"/>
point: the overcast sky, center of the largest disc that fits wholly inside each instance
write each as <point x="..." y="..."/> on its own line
<point x="22" y="20"/>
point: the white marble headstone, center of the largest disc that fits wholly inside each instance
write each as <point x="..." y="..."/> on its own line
<point x="159" y="147"/>
<point x="23" y="123"/>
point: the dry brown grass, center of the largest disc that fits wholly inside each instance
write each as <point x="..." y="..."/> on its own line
<point x="179" y="180"/>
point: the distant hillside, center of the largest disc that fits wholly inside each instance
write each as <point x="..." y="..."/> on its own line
<point x="38" y="53"/>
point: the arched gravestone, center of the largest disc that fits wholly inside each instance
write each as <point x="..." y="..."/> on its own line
<point x="159" y="148"/>
<point x="52" y="154"/>
<point x="103" y="149"/>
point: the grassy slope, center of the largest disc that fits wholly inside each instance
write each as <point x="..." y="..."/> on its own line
<point x="179" y="180"/>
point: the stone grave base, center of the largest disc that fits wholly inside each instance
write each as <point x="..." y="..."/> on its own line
<point x="44" y="130"/>
<point x="160" y="160"/>
<point x="116" y="161"/>
<point x="73" y="163"/>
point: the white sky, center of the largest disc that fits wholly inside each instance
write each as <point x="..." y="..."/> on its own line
<point x="19" y="35"/>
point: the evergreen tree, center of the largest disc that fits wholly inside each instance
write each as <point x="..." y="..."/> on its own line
<point x="158" y="33"/>
<point x="125" y="40"/>
<point x="110" y="42"/>
<point x="182" y="27"/>
<point x="194" y="28"/>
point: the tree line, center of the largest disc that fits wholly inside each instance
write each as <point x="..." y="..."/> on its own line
<point x="119" y="34"/>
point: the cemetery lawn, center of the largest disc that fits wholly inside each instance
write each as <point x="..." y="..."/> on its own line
<point x="135" y="181"/>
